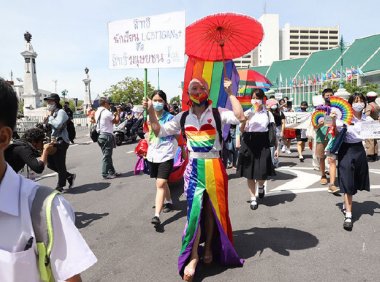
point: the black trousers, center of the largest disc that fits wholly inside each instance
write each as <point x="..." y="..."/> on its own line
<point x="57" y="163"/>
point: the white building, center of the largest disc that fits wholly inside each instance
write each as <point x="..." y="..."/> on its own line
<point x="288" y="42"/>
<point x="298" y="42"/>
<point x="269" y="48"/>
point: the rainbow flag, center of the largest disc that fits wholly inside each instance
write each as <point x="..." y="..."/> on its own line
<point x="208" y="175"/>
<point x="213" y="73"/>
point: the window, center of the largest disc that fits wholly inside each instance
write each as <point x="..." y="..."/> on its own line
<point x="314" y="37"/>
<point x="304" y="37"/>
<point x="333" y="32"/>
<point x="314" y="42"/>
<point x="313" y="31"/>
<point x="294" y="54"/>
<point x="304" y="54"/>
<point x="314" y="48"/>
<point x="323" y="43"/>
<point x="304" y="43"/>
<point x="304" y="31"/>
<point x="323" y="31"/>
<point x="293" y="48"/>
<point x="304" y="48"/>
<point x="324" y="37"/>
<point x="294" y="36"/>
<point x="293" y="42"/>
<point x="333" y="37"/>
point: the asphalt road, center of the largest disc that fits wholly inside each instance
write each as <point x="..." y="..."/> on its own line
<point x="296" y="233"/>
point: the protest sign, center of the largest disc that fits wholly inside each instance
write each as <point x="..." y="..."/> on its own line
<point x="147" y="42"/>
<point x="370" y="129"/>
<point x="297" y="120"/>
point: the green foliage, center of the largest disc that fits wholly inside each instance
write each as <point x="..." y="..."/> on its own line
<point x="72" y="104"/>
<point x="176" y="99"/>
<point x="351" y="86"/>
<point x="129" y="90"/>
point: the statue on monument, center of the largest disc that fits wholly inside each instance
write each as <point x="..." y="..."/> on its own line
<point x="86" y="70"/>
<point x="27" y="36"/>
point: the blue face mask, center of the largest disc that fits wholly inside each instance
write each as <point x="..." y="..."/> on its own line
<point x="157" y="106"/>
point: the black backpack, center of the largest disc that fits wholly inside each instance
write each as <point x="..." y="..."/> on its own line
<point x="218" y="122"/>
<point x="71" y="130"/>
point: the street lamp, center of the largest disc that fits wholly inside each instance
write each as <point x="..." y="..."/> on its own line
<point x="341" y="92"/>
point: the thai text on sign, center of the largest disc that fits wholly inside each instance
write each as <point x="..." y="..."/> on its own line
<point x="147" y="42"/>
<point x="297" y="120"/>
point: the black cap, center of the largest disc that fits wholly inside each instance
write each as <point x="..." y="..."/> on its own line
<point x="52" y="96"/>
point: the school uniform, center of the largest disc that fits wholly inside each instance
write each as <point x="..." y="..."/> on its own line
<point x="70" y="254"/>
<point x="353" y="174"/>
<point x="254" y="161"/>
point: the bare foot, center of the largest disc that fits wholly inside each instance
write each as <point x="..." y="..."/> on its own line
<point x="188" y="273"/>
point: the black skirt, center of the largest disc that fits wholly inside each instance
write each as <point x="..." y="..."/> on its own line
<point x="254" y="161"/>
<point x="353" y="174"/>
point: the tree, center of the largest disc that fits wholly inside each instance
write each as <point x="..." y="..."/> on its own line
<point x="176" y="99"/>
<point x="129" y="90"/>
<point x="351" y="87"/>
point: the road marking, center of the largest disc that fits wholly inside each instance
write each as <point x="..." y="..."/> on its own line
<point x="296" y="183"/>
<point x="130" y="152"/>
<point x="45" y="176"/>
<point x="306" y="190"/>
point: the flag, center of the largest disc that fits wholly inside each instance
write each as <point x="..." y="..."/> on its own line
<point x="360" y="72"/>
<point x="333" y="75"/>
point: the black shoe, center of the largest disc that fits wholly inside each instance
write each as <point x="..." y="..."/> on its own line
<point x="302" y="160"/>
<point x="261" y="192"/>
<point x="168" y="207"/>
<point x="59" y="189"/>
<point x="347" y="224"/>
<point x="156" y="220"/>
<point x="254" y="205"/>
<point x="71" y="180"/>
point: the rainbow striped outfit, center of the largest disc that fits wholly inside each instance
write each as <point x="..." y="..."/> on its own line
<point x="205" y="173"/>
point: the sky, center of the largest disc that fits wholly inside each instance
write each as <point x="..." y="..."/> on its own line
<point x="69" y="35"/>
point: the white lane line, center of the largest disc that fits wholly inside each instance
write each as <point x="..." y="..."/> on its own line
<point x="130" y="152"/>
<point x="45" y="176"/>
<point x="306" y="190"/>
<point x="301" y="180"/>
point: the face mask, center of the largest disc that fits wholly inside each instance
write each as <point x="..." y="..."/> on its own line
<point x="303" y="109"/>
<point x="256" y="101"/>
<point x="274" y="107"/>
<point x="157" y="106"/>
<point x="358" y="107"/>
<point x="199" y="98"/>
<point x="51" y="107"/>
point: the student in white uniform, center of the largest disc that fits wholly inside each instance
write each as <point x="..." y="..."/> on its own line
<point x="353" y="172"/>
<point x="18" y="253"/>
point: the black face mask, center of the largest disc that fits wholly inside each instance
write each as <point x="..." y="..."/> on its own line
<point x="303" y="109"/>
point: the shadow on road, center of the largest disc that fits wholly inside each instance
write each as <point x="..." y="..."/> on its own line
<point x="280" y="175"/>
<point x="88" y="187"/>
<point x="127" y="174"/>
<point x="359" y="209"/>
<point x="249" y="242"/>
<point x="274" y="200"/>
<point x="287" y="164"/>
<point x="176" y="191"/>
<point x="83" y="219"/>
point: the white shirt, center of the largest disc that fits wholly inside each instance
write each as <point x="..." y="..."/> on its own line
<point x="162" y="149"/>
<point x="105" y="123"/>
<point x="201" y="134"/>
<point x="70" y="254"/>
<point x="259" y="121"/>
<point x="353" y="131"/>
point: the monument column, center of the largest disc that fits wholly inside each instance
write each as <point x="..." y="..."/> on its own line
<point x="87" y="92"/>
<point x="31" y="95"/>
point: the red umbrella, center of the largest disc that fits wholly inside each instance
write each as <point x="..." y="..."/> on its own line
<point x="222" y="37"/>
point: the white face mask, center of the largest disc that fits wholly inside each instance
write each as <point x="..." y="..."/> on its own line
<point x="357" y="107"/>
<point x="274" y="107"/>
<point x="51" y="107"/>
<point x="256" y="101"/>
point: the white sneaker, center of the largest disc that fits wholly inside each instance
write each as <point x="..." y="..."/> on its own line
<point x="288" y="152"/>
<point x="283" y="148"/>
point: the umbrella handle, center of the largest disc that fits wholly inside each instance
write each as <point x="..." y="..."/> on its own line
<point x="224" y="63"/>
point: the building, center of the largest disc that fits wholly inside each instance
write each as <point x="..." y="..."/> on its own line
<point x="300" y="42"/>
<point x="269" y="48"/>
<point x="288" y="42"/>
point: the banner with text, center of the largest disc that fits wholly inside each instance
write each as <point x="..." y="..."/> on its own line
<point x="297" y="120"/>
<point x="147" y="42"/>
<point x="370" y="130"/>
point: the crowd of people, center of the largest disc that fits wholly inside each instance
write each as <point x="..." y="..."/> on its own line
<point x="252" y="147"/>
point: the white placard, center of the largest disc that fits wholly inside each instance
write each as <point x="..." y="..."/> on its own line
<point x="278" y="96"/>
<point x="147" y="42"/>
<point x="297" y="120"/>
<point x="370" y="129"/>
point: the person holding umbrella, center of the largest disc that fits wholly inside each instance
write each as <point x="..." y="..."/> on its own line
<point x="206" y="182"/>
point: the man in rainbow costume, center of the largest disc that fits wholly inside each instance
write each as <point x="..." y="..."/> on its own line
<point x="206" y="182"/>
